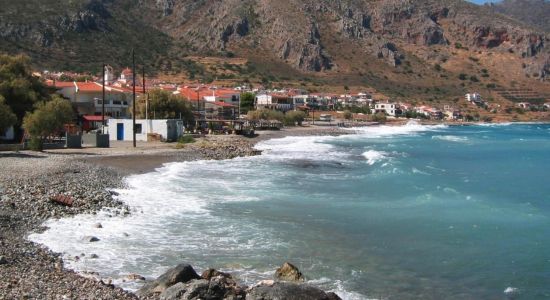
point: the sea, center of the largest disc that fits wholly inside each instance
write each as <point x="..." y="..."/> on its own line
<point x="386" y="212"/>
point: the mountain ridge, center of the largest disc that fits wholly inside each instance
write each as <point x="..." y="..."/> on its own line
<point x="402" y="48"/>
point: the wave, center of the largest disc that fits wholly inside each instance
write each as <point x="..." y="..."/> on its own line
<point x="374" y="156"/>
<point x="451" y="138"/>
<point x="170" y="216"/>
<point x="382" y="131"/>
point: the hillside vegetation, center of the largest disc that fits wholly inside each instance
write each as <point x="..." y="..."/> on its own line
<point x="422" y="50"/>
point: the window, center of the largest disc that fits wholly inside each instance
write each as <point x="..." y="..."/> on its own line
<point x="139" y="128"/>
<point x="116" y="102"/>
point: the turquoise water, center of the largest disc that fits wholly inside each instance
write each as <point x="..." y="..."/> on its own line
<point x="413" y="212"/>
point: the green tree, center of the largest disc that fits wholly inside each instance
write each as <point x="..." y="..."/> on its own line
<point x="48" y="118"/>
<point x="7" y="117"/>
<point x="164" y="105"/>
<point x="294" y="117"/>
<point x="247" y="102"/>
<point x="19" y="88"/>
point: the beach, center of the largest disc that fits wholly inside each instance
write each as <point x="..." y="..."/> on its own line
<point x="30" y="180"/>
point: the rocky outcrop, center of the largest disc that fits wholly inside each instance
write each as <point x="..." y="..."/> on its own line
<point x="44" y="32"/>
<point x="182" y="273"/>
<point x="288" y="291"/>
<point x="288" y="272"/>
<point x="183" y="283"/>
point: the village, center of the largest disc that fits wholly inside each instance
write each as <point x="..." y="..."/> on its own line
<point x="104" y="105"/>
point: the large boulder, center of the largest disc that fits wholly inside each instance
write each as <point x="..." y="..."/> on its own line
<point x="288" y="272"/>
<point x="232" y="290"/>
<point x="194" y="290"/>
<point x="182" y="273"/>
<point x="289" y="291"/>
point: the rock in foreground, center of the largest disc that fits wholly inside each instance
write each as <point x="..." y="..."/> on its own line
<point x="288" y="272"/>
<point x="181" y="274"/>
<point x="289" y="291"/>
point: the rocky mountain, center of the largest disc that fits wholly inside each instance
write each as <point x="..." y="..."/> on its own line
<point x="532" y="12"/>
<point x="364" y="42"/>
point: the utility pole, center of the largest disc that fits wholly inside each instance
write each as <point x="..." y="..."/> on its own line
<point x="134" y="96"/>
<point x="103" y="103"/>
<point x="198" y="111"/>
<point x="146" y="99"/>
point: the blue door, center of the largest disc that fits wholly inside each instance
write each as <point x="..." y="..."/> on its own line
<point x="120" y="131"/>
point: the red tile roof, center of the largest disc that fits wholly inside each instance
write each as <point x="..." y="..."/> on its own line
<point x="93" y="118"/>
<point x="59" y="84"/>
<point x="89" y="87"/>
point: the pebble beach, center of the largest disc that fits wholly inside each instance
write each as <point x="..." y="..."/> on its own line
<point x="29" y="181"/>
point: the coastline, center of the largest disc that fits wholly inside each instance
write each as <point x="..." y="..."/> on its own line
<point x="29" y="180"/>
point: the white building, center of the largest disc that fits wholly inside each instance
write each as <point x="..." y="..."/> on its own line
<point x="121" y="129"/>
<point x="387" y="108"/>
<point x="280" y="102"/>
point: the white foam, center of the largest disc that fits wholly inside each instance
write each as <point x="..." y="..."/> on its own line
<point x="382" y="131"/>
<point x="511" y="290"/>
<point x="306" y="148"/>
<point x="341" y="291"/>
<point x="156" y="235"/>
<point x="451" y="138"/>
<point x="374" y="156"/>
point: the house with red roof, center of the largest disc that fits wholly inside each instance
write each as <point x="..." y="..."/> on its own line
<point x="87" y="98"/>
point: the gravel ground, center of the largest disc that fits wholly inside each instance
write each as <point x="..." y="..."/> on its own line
<point x="28" y="181"/>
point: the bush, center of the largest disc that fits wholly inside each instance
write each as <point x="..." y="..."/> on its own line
<point x="462" y="76"/>
<point x="186" y="139"/>
<point x="36" y="144"/>
<point x="379" y="117"/>
<point x="474" y="79"/>
<point x="265" y="114"/>
<point x="293" y="118"/>
<point x="348" y="115"/>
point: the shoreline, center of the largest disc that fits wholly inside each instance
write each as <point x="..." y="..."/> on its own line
<point x="29" y="180"/>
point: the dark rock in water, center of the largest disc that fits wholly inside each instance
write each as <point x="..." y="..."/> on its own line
<point x="135" y="277"/>
<point x="94" y="256"/>
<point x="194" y="289"/>
<point x="98" y="225"/>
<point x="182" y="273"/>
<point x="333" y="296"/>
<point x="3" y="260"/>
<point x="211" y="273"/>
<point x="90" y="239"/>
<point x="288" y="291"/>
<point x="288" y="272"/>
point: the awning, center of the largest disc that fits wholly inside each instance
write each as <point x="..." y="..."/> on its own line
<point x="94" y="118"/>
